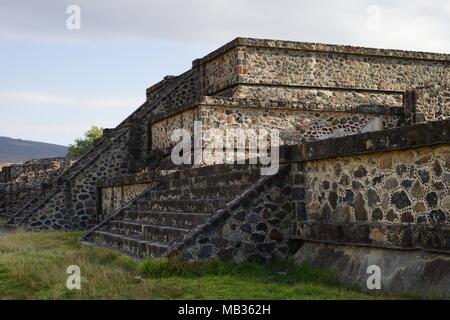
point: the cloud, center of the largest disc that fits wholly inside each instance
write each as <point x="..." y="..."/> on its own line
<point x="32" y="98"/>
<point x="417" y="24"/>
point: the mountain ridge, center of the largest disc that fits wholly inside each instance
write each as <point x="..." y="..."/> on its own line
<point x="19" y="150"/>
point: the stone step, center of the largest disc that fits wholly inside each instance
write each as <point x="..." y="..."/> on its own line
<point x="184" y="205"/>
<point x="159" y="233"/>
<point x="229" y="191"/>
<point x="15" y="220"/>
<point x="183" y="200"/>
<point x="220" y="180"/>
<point x="218" y="170"/>
<point x="172" y="219"/>
<point x="132" y="245"/>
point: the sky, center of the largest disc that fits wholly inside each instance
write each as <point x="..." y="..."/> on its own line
<point x="65" y="68"/>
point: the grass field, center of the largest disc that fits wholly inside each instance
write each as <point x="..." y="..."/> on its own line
<point x="33" y="266"/>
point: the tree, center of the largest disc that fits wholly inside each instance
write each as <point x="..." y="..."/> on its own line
<point x="82" y="146"/>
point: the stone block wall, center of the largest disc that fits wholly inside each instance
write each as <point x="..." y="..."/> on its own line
<point x="397" y="187"/>
<point x="318" y="98"/>
<point x="161" y="131"/>
<point x="341" y="69"/>
<point x="330" y="75"/>
<point x="20" y="182"/>
<point x="390" y="189"/>
<point x="286" y="63"/>
<point x="296" y="125"/>
<point x="221" y="72"/>
<point x="71" y="204"/>
<point x="433" y="102"/>
<point x="34" y="172"/>
<point x="116" y="192"/>
<point x="115" y="197"/>
<point x="257" y="226"/>
<point x="296" y="122"/>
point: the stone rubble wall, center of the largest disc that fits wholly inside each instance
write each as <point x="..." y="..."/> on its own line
<point x="2" y="165"/>
<point x="115" y="197"/>
<point x="320" y="98"/>
<point x="73" y="204"/>
<point x="326" y="69"/>
<point x="420" y="273"/>
<point x="33" y="173"/>
<point x="386" y="189"/>
<point x="221" y="72"/>
<point x="398" y="187"/>
<point x="161" y="131"/>
<point x="256" y="226"/>
<point x="294" y="125"/>
<point x="297" y="122"/>
<point x="116" y="192"/>
<point x="269" y="62"/>
<point x="20" y="182"/>
<point x="433" y="102"/>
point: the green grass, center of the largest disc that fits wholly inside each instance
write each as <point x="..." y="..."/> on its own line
<point x="33" y="266"/>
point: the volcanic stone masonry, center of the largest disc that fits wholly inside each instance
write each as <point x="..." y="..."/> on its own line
<point x="365" y="155"/>
<point x="19" y="182"/>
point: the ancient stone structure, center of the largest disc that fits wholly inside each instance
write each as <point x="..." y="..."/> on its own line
<point x="364" y="159"/>
<point x="19" y="183"/>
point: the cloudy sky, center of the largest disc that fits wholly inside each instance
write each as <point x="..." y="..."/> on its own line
<point x="55" y="81"/>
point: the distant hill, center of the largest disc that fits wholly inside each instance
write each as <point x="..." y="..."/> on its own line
<point x="17" y="150"/>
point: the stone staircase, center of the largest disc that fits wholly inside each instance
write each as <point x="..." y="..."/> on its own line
<point x="18" y="214"/>
<point x="162" y="215"/>
<point x="13" y="203"/>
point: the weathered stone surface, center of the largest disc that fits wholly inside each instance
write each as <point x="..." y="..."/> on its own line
<point x="349" y="196"/>
<point x="360" y="172"/>
<point x="333" y="199"/>
<point x="446" y="203"/>
<point x="424" y="176"/>
<point x="418" y="190"/>
<point x="437" y="168"/>
<point x="391" y="183"/>
<point x="438" y="216"/>
<point x="376" y="235"/>
<point x="385" y="163"/>
<point x="391" y="216"/>
<point x="419" y="207"/>
<point x="400" y="199"/>
<point x="432" y="199"/>
<point x="377" y="214"/>
<point x="19" y="183"/>
<point x="276" y="235"/>
<point x="373" y="197"/>
<point x="407" y="217"/>
<point x="425" y="274"/>
<point x="360" y="208"/>
<point x="404" y="192"/>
